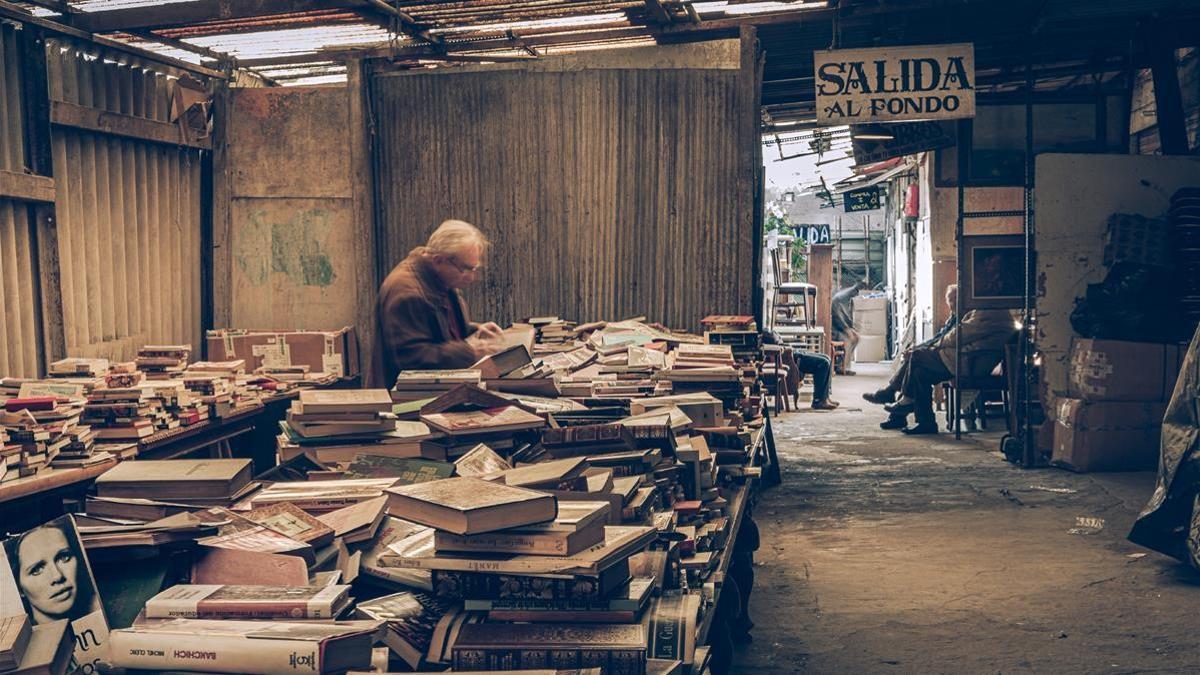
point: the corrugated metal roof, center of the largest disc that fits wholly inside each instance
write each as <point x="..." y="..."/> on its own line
<point x="420" y="30"/>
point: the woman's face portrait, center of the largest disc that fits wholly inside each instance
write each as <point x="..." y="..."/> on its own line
<point x="47" y="574"/>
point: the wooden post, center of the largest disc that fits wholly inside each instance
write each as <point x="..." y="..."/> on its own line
<point x="363" y="183"/>
<point x="39" y="151"/>
<point x="820" y="274"/>
<point x="220" y="236"/>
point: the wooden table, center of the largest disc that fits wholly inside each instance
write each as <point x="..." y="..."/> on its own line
<point x="181" y="441"/>
<point x="28" y="502"/>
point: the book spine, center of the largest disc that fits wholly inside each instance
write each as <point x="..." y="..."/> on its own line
<point x="509" y="587"/>
<point x="226" y="609"/>
<point x="213" y="654"/>
<point x="501" y="543"/>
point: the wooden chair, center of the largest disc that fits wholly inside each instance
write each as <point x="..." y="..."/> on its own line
<point x="838" y="356"/>
<point x="775" y="376"/>
<point x="983" y="373"/>
<point x="781" y="299"/>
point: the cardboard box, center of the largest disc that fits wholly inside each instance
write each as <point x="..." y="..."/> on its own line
<point x="870" y="349"/>
<point x="1107" y="436"/>
<point x="321" y="351"/>
<point x="1115" y="370"/>
<point x="871" y="316"/>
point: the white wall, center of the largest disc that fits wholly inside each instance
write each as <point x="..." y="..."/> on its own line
<point x="1074" y="197"/>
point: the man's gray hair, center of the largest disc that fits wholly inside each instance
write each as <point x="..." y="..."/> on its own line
<point x="952" y="288"/>
<point x="453" y="236"/>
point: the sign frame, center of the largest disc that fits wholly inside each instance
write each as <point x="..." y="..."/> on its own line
<point x="894" y="84"/>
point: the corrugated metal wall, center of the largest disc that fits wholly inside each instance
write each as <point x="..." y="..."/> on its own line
<point x="128" y="212"/>
<point x="606" y="192"/>
<point x="19" y="335"/>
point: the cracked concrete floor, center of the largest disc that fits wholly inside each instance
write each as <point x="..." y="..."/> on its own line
<point x="887" y="554"/>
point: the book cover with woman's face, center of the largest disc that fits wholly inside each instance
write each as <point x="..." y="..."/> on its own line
<point x="45" y="574"/>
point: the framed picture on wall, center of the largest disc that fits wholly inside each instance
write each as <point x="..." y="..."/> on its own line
<point x="994" y="271"/>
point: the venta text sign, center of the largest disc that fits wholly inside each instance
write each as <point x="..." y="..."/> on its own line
<point x="892" y="84"/>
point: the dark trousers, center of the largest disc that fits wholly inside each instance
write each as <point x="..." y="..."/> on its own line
<point x="819" y="366"/>
<point x="924" y="371"/>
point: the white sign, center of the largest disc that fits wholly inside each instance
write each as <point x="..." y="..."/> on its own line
<point x="893" y="84"/>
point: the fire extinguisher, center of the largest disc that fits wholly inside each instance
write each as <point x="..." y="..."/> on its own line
<point x="912" y="201"/>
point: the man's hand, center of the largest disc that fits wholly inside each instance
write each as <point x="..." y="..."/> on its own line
<point x="483" y="346"/>
<point x="489" y="331"/>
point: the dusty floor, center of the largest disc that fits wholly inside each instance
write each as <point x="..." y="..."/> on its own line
<point x="888" y="554"/>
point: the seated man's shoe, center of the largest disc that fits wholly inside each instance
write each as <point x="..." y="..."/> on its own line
<point x="904" y="406"/>
<point x="922" y="429"/>
<point x="880" y="397"/>
<point x="894" y="422"/>
<point x="825" y="405"/>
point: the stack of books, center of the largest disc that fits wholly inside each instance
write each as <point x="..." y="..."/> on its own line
<point x="229" y="370"/>
<point x="212" y="394"/>
<point x="197" y="483"/>
<point x="468" y="415"/>
<point x="552" y="330"/>
<point x="336" y="425"/>
<point x="78" y="367"/>
<point x="80" y="450"/>
<point x="516" y="554"/>
<point x="123" y="376"/>
<point x="40" y="428"/>
<point x="126" y="414"/>
<point x="163" y="362"/>
<point x="412" y="385"/>
<point x="738" y="332"/>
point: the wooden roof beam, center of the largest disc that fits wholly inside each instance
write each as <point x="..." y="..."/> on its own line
<point x="199" y="11"/>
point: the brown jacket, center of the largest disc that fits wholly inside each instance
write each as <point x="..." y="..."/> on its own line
<point x="411" y="331"/>
<point x="983" y="332"/>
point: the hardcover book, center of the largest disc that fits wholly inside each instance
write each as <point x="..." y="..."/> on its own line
<point x="204" y="601"/>
<point x="14" y="638"/>
<point x="486" y="585"/>
<point x="502" y="362"/>
<point x="671" y="625"/>
<point x="546" y="474"/>
<point x="617" y="649"/>
<point x="48" y="651"/>
<point x="411" y="619"/>
<point x="579" y="525"/>
<point x="619" y="543"/>
<point x="175" y="478"/>
<point x="480" y="461"/>
<point x="313" y="401"/>
<point x="323" y="495"/>
<point x="293" y="522"/>
<point x="469" y="505"/>
<point x="267" y="647"/>
<point x="357" y="522"/>
<point x="408" y="470"/>
<point x="487" y="420"/>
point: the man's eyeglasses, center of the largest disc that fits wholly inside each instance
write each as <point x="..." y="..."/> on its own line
<point x="463" y="269"/>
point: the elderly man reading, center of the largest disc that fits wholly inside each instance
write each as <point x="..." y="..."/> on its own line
<point x="421" y="318"/>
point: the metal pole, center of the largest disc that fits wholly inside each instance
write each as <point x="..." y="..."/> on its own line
<point x="964" y="130"/>
<point x="1028" y="449"/>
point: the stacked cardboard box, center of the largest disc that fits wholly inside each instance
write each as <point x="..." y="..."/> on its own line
<point x="334" y="352"/>
<point x="1112" y="418"/>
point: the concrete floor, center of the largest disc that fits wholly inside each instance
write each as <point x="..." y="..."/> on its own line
<point x="888" y="554"/>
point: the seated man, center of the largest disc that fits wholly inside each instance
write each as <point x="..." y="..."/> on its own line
<point x="812" y="363"/>
<point x="981" y="330"/>
<point x="888" y="393"/>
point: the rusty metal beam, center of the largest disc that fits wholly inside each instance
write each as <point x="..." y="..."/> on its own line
<point x="16" y="13"/>
<point x="656" y="11"/>
<point x="199" y="11"/>
<point x="118" y="124"/>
